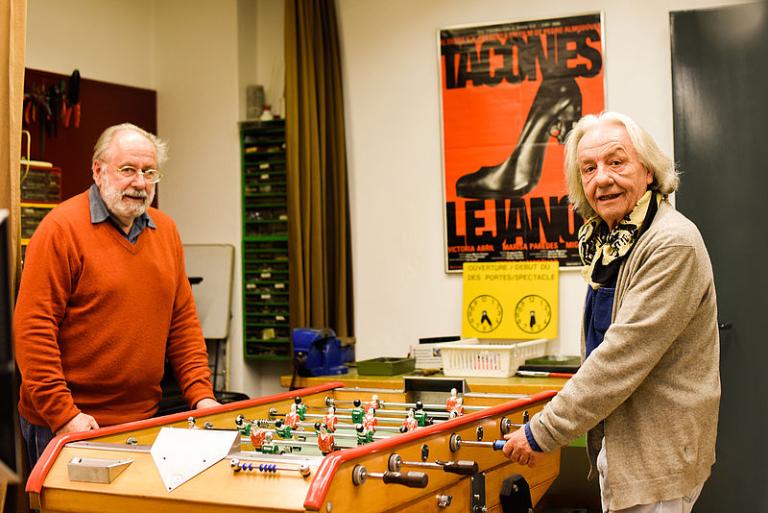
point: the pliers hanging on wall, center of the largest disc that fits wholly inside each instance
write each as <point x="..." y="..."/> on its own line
<point x="37" y="100"/>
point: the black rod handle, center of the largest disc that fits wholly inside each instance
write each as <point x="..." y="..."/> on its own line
<point x="409" y="479"/>
<point x="461" y="467"/>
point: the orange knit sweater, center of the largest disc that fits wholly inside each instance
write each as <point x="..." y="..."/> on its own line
<point x="96" y="316"/>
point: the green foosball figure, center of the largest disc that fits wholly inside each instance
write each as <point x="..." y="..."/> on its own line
<point x="357" y="412"/>
<point x="301" y="408"/>
<point x="364" y="436"/>
<point x="283" y="430"/>
<point x="420" y="415"/>
<point x="243" y="425"/>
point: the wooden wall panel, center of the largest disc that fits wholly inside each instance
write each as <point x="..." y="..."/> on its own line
<point x="102" y="104"/>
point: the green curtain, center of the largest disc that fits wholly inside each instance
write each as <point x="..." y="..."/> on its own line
<point x="318" y="199"/>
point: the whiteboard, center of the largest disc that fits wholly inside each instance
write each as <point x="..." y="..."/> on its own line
<point x="213" y="296"/>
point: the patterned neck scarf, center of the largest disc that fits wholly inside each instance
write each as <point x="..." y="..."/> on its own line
<point x="602" y="250"/>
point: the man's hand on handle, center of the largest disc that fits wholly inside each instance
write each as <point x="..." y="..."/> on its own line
<point x="518" y="449"/>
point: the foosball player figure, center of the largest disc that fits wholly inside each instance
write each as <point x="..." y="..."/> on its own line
<point x="373" y="403"/>
<point x="282" y="429"/>
<point x="409" y="423"/>
<point x="357" y="412"/>
<point x="420" y="414"/>
<point x="301" y="408"/>
<point x="457" y="410"/>
<point x="451" y="402"/>
<point x="191" y="423"/>
<point x="269" y="446"/>
<point x="325" y="440"/>
<point x="292" y="417"/>
<point x="243" y="425"/>
<point x="370" y="421"/>
<point x="364" y="436"/>
<point x="257" y="438"/>
<point x="330" y="420"/>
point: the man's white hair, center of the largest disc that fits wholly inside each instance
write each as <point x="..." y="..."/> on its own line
<point x="103" y="146"/>
<point x="665" y="176"/>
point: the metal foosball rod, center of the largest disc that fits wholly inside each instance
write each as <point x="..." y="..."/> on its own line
<point x="461" y="467"/>
<point x="288" y="441"/>
<point x="432" y="407"/>
<point x="435" y="410"/>
<point x="455" y="443"/>
<point x="403" y="413"/>
<point x="505" y="425"/>
<point x="345" y="414"/>
<point x="392" y="429"/>
<point x="352" y="427"/>
<point x="340" y="416"/>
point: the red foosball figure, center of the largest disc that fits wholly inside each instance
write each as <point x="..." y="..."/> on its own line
<point x="292" y="417"/>
<point x="370" y="421"/>
<point x="330" y="420"/>
<point x="325" y="440"/>
<point x="373" y="403"/>
<point x="409" y="423"/>
<point x="257" y="438"/>
<point x="458" y="409"/>
<point x="451" y="402"/>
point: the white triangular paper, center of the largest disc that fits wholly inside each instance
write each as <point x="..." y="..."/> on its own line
<point x="181" y="454"/>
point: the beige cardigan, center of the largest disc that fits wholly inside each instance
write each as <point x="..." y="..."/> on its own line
<point x="652" y="388"/>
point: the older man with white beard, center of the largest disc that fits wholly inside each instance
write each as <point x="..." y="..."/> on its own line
<point x="104" y="299"/>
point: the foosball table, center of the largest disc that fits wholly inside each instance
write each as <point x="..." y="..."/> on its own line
<point x="325" y="449"/>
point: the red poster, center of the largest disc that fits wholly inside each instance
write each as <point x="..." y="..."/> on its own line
<point x="511" y="92"/>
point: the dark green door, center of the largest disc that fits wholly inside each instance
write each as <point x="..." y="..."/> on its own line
<point x="720" y="89"/>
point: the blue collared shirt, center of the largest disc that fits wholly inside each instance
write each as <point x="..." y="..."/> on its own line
<point x="100" y="213"/>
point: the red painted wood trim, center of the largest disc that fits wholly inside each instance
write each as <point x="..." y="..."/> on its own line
<point x="44" y="464"/>
<point x="327" y="469"/>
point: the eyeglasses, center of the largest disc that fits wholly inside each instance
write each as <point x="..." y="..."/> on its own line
<point x="150" y="175"/>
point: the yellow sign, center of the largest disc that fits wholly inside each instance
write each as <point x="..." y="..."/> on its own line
<point x="510" y="300"/>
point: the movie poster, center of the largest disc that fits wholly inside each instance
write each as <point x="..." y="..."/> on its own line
<point x="511" y="92"/>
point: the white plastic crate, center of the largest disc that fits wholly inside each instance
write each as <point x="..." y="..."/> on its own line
<point x="429" y="356"/>
<point x="489" y="360"/>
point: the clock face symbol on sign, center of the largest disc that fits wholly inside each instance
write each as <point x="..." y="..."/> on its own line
<point x="484" y="313"/>
<point x="533" y="314"/>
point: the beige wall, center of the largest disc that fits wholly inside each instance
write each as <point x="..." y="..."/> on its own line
<point x="189" y="52"/>
<point x="108" y="41"/>
<point x="192" y="53"/>
<point x="390" y="58"/>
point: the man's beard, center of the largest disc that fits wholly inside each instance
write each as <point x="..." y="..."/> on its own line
<point x="113" y="198"/>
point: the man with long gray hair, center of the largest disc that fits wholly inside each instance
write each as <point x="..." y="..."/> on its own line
<point x="647" y="393"/>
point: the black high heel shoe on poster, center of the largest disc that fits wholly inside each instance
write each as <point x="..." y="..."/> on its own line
<point x="555" y="109"/>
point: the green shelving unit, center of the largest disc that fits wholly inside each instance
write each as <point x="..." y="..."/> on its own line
<point x="266" y="325"/>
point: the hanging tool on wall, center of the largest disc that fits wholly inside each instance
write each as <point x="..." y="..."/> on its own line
<point x="36" y="106"/>
<point x="54" y="100"/>
<point x="71" y="110"/>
